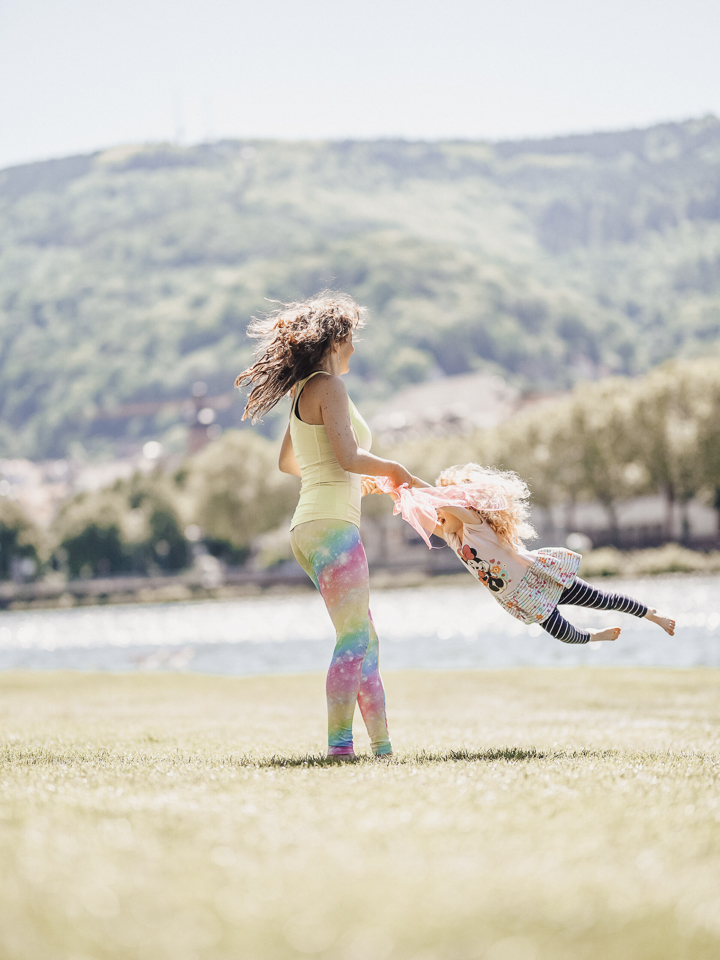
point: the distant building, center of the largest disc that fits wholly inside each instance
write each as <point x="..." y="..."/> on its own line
<point x="640" y="522"/>
<point x="449" y="405"/>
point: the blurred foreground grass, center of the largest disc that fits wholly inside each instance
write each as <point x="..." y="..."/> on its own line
<point x="528" y="815"/>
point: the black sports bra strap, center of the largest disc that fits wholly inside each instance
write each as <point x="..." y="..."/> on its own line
<point x="296" y="400"/>
<point x="299" y="393"/>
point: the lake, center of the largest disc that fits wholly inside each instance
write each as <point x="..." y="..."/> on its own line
<point x="444" y="625"/>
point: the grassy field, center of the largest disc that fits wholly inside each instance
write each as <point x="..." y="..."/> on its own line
<point x="528" y="815"/>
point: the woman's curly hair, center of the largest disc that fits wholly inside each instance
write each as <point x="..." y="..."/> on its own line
<point x="512" y="524"/>
<point x="292" y="342"/>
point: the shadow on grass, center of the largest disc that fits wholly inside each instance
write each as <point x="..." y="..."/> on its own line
<point x="60" y="755"/>
<point x="506" y="754"/>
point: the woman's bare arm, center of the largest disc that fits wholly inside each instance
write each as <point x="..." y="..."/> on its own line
<point x="333" y="400"/>
<point x="287" y="461"/>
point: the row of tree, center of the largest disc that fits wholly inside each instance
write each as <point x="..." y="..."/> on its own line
<point x="606" y="442"/>
<point x="223" y="498"/>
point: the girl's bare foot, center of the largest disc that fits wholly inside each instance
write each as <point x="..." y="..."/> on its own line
<point x="612" y="633"/>
<point x="666" y="623"/>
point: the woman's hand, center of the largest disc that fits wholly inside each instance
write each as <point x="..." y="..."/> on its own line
<point x="398" y="475"/>
<point x="369" y="485"/>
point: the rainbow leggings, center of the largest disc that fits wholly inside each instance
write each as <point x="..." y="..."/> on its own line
<point x="332" y="555"/>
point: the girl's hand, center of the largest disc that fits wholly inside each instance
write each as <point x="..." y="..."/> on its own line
<point x="368" y="485"/>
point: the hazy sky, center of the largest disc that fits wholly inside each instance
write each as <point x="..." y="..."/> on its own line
<point x="78" y="75"/>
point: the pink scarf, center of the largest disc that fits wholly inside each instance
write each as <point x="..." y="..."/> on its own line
<point x="418" y="505"/>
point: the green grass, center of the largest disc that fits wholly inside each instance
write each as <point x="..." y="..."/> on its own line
<point x="528" y="815"/>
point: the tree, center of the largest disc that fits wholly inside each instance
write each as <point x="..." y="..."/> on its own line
<point x="234" y="491"/>
<point x="606" y="441"/>
<point x="601" y="431"/>
<point x="132" y="526"/>
<point x="666" y="435"/>
<point x="155" y="537"/>
<point x="87" y="534"/>
<point x="705" y="384"/>
<point x="19" y="540"/>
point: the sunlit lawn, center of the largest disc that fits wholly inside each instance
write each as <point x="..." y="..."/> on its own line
<point x="528" y="815"/>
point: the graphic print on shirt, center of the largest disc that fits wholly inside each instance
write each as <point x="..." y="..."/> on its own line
<point x="490" y="573"/>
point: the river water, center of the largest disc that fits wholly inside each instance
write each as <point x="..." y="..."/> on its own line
<point x="445" y="625"/>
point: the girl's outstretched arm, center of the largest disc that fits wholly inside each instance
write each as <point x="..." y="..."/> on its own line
<point x="462" y="514"/>
<point x="369" y="485"/>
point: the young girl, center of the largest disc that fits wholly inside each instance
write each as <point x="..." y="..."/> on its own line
<point x="482" y="514"/>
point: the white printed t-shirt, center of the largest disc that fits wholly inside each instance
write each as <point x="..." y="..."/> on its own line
<point x="526" y="583"/>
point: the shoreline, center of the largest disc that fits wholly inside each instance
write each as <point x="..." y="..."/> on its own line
<point x="289" y="579"/>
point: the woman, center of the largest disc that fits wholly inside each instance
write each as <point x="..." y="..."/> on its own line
<point x="304" y="349"/>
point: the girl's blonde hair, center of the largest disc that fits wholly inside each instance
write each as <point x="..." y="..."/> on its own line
<point x="292" y="342"/>
<point x="511" y="524"/>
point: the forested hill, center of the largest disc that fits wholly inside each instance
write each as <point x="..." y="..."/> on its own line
<point x="127" y="275"/>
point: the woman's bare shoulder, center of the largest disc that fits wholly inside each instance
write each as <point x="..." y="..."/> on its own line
<point x="325" y="387"/>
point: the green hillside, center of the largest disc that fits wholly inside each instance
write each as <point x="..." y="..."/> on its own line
<point x="126" y="276"/>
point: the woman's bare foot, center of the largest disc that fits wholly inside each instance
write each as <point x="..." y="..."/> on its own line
<point x="612" y="633"/>
<point x="666" y="623"/>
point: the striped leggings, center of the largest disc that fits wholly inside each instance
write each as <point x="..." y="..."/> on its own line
<point x="332" y="555"/>
<point x="581" y="594"/>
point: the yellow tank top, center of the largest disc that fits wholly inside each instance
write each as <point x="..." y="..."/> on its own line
<point x="327" y="491"/>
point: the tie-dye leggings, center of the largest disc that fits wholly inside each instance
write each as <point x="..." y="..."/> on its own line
<point x="332" y="555"/>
